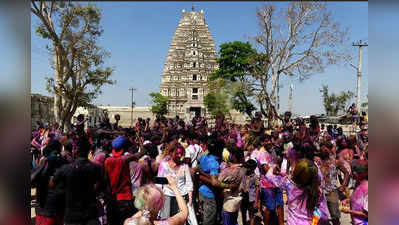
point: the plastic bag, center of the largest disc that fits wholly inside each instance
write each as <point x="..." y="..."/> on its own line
<point x="191" y="219"/>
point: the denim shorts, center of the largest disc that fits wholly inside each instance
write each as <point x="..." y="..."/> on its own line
<point x="272" y="197"/>
<point x="229" y="218"/>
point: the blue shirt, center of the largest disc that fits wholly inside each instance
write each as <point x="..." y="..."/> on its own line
<point x="209" y="164"/>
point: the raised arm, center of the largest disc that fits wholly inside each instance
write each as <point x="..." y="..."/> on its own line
<point x="341" y="167"/>
<point x="138" y="155"/>
<point x="189" y="184"/>
<point x="277" y="180"/>
<point x="181" y="217"/>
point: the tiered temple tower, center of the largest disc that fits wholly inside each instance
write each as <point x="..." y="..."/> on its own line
<point x="191" y="60"/>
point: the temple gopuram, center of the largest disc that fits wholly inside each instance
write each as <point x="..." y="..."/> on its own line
<point x="191" y="60"/>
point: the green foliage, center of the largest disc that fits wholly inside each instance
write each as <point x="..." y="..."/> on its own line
<point x="234" y="60"/>
<point x="234" y="66"/>
<point x="240" y="99"/>
<point x="365" y="104"/>
<point x="335" y="104"/>
<point x="218" y="99"/>
<point x="73" y="30"/>
<point x="160" y="106"/>
<point x="216" y="103"/>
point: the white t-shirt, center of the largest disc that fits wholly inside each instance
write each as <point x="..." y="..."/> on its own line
<point x="183" y="175"/>
<point x="192" y="152"/>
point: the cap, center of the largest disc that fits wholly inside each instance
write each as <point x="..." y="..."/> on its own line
<point x="118" y="143"/>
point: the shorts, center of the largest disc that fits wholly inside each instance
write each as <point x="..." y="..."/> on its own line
<point x="209" y="210"/>
<point x="272" y="197"/>
<point x="229" y="218"/>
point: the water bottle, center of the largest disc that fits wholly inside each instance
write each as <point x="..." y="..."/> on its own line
<point x="316" y="216"/>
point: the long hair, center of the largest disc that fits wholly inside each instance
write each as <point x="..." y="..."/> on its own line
<point x="167" y="149"/>
<point x="149" y="199"/>
<point x="305" y="176"/>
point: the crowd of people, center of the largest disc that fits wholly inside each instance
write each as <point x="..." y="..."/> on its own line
<point x="174" y="172"/>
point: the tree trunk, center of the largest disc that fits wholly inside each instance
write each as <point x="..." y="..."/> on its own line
<point x="69" y="110"/>
<point x="271" y="112"/>
<point x="271" y="117"/>
<point x="68" y="122"/>
<point x="278" y="95"/>
<point x="57" y="87"/>
<point x="249" y="113"/>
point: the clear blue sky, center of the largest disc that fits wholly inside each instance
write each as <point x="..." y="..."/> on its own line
<point x="138" y="35"/>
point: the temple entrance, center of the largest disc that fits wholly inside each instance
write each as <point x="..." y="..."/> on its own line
<point x="195" y="111"/>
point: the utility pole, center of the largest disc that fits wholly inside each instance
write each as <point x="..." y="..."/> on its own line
<point x="131" y="113"/>
<point x="359" y="44"/>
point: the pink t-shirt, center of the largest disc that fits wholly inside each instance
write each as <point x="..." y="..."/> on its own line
<point x="296" y="211"/>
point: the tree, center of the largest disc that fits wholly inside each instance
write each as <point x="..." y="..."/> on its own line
<point x="234" y="65"/>
<point x="335" y="104"/>
<point x="234" y="61"/>
<point x="300" y="40"/>
<point x="365" y="104"/>
<point x="242" y="98"/>
<point x="160" y="106"/>
<point x="72" y="30"/>
<point x="218" y="100"/>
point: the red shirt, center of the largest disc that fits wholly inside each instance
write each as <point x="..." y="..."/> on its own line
<point x="119" y="176"/>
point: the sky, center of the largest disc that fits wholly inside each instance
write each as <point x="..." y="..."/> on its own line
<point x="138" y="35"/>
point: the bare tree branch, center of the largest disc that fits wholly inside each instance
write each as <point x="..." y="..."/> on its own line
<point x="306" y="43"/>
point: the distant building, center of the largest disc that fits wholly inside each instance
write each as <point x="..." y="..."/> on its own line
<point x="42" y="109"/>
<point x="191" y="60"/>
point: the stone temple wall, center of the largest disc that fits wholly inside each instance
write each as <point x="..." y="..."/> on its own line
<point x="125" y="114"/>
<point x="41" y="109"/>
